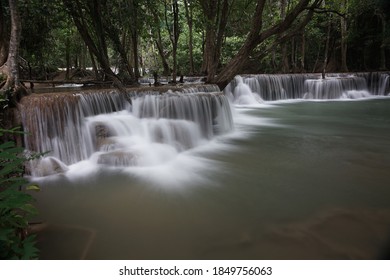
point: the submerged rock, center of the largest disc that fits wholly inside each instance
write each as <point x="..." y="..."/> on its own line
<point x="102" y="134"/>
<point x="118" y="158"/>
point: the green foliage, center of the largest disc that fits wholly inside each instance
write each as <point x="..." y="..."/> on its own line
<point x="16" y="207"/>
<point x="50" y="38"/>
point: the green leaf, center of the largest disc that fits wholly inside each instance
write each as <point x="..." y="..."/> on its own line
<point x="33" y="188"/>
<point x="29" y="250"/>
<point x="7" y="145"/>
<point x="11" y="167"/>
<point x="6" y="233"/>
<point x="29" y="209"/>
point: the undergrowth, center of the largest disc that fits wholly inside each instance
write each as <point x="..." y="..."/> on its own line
<point x="16" y="208"/>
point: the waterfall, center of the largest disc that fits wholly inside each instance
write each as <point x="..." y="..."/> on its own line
<point x="242" y="93"/>
<point x="378" y="82"/>
<point x="307" y="86"/>
<point x="270" y="87"/>
<point x="136" y="128"/>
<point x="336" y="87"/>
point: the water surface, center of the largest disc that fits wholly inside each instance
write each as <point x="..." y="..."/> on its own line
<point x="295" y="180"/>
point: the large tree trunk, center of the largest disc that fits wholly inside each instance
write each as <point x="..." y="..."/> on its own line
<point x="256" y="36"/>
<point x="216" y="21"/>
<point x="11" y="68"/>
<point x="10" y="116"/>
<point x="234" y="66"/>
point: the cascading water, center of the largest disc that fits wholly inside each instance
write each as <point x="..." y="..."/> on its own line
<point x="255" y="88"/>
<point x="149" y="175"/>
<point x="242" y="94"/>
<point x="121" y="129"/>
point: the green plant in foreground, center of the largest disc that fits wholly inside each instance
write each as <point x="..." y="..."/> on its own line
<point x="16" y="207"/>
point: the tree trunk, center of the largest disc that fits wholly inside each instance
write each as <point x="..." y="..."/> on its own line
<point x="326" y="51"/>
<point x="67" y="58"/>
<point x="383" y="42"/>
<point x="98" y="48"/>
<point x="134" y="37"/>
<point x="303" y="51"/>
<point x="285" y="65"/>
<point x="11" y="70"/>
<point x="174" y="33"/>
<point x="216" y="17"/>
<point x="256" y="36"/>
<point x="94" y="66"/>
<point x="156" y="30"/>
<point x="11" y="66"/>
<point x="160" y="48"/>
<point x="234" y="66"/>
<point x="344" y="45"/>
<point x="189" y="16"/>
<point x="4" y="36"/>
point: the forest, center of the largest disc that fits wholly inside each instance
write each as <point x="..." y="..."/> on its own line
<point x="123" y="40"/>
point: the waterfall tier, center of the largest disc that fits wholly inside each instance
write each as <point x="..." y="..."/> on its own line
<point x="309" y="86"/>
<point x="122" y="129"/>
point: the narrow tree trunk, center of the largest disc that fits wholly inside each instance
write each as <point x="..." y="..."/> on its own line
<point x="67" y="57"/>
<point x="383" y="43"/>
<point x="326" y="51"/>
<point x="210" y="11"/>
<point x="4" y="39"/>
<point x="160" y="49"/>
<point x="174" y="33"/>
<point x="303" y="51"/>
<point x="94" y="66"/>
<point x="134" y="38"/>
<point x="344" y="46"/>
<point x="157" y="38"/>
<point x="189" y="16"/>
<point x="293" y="55"/>
<point x="285" y="64"/>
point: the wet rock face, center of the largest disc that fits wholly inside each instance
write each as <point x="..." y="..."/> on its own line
<point x="102" y="133"/>
<point x="49" y="166"/>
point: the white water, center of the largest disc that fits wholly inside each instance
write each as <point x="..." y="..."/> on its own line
<point x="161" y="138"/>
<point x="252" y="90"/>
<point x="243" y="94"/>
<point x="156" y="137"/>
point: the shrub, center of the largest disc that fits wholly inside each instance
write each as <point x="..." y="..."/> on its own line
<point x="16" y="207"/>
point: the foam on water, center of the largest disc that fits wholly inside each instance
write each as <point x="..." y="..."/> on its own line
<point x="158" y="138"/>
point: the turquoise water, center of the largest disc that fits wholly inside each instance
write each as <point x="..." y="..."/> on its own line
<point x="296" y="180"/>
